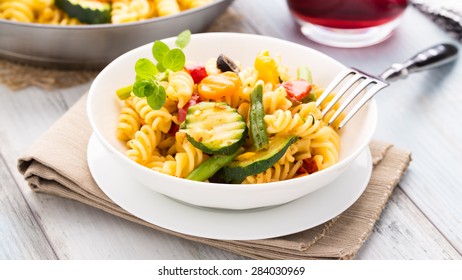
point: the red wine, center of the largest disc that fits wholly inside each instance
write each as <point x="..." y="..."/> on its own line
<point x="347" y="14"/>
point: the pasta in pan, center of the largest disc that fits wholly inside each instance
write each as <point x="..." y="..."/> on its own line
<point x="39" y="11"/>
<point x="167" y="139"/>
<point x="132" y="10"/>
<point x="118" y="11"/>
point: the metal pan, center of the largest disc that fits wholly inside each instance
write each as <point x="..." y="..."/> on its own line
<point x="94" y="46"/>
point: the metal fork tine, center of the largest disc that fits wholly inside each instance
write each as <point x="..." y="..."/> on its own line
<point x="342" y="92"/>
<point x="350" y="98"/>
<point x="369" y="94"/>
<point x="340" y="77"/>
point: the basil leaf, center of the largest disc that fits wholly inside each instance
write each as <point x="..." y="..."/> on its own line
<point x="156" y="101"/>
<point x="161" y="67"/>
<point x="183" y="39"/>
<point x="145" y="69"/>
<point x="159" y="50"/>
<point x="153" y="91"/>
<point x="174" y="60"/>
<point x="144" y="87"/>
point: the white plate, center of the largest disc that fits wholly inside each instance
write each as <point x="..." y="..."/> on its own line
<point x="301" y="214"/>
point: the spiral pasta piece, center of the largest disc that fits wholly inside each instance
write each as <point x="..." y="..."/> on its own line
<point x="325" y="145"/>
<point x="190" y="4"/>
<point x="53" y="15"/>
<point x="39" y="11"/>
<point x="142" y="145"/>
<point x="122" y="11"/>
<point x="283" y="123"/>
<point x="280" y="171"/>
<point x="19" y="10"/>
<point x="306" y="109"/>
<point x="318" y="91"/>
<point x="129" y="123"/>
<point x="276" y="100"/>
<point x="249" y="78"/>
<point x="180" y="87"/>
<point x="132" y="10"/>
<point x="187" y="158"/>
<point x="160" y="120"/>
<point x="302" y="149"/>
<point x="167" y="7"/>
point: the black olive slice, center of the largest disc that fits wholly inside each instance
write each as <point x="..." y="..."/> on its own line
<point x="225" y="64"/>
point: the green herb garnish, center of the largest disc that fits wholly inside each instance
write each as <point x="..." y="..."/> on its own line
<point x="304" y="73"/>
<point x="149" y="74"/>
<point x="125" y="92"/>
<point x="183" y="39"/>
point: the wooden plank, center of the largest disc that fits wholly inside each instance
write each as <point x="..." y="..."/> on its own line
<point x="21" y="235"/>
<point x="403" y="232"/>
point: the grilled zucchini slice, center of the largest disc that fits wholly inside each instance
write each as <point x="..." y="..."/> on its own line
<point x="87" y="11"/>
<point x="215" y="128"/>
<point x="258" y="161"/>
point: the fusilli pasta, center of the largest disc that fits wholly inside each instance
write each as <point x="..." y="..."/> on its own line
<point x="180" y="87"/>
<point x="132" y="10"/>
<point x="122" y="11"/>
<point x="155" y="137"/>
<point x="167" y="7"/>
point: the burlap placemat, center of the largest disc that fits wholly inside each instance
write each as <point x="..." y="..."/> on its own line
<point x="57" y="165"/>
<point x="17" y="76"/>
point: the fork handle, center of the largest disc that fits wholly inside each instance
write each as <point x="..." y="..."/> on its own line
<point x="429" y="58"/>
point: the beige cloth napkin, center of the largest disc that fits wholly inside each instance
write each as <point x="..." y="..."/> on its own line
<point x="57" y="164"/>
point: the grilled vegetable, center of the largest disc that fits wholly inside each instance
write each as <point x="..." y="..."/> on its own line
<point x="251" y="163"/>
<point x="215" y="128"/>
<point x="219" y="87"/>
<point x="197" y="72"/>
<point x="298" y="90"/>
<point x="87" y="11"/>
<point x="304" y="73"/>
<point x="267" y="68"/>
<point x="257" y="123"/>
<point x="209" y="167"/>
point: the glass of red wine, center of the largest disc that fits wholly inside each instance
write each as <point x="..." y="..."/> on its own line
<point x="347" y="23"/>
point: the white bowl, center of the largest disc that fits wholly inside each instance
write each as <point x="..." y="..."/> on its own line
<point x="103" y="113"/>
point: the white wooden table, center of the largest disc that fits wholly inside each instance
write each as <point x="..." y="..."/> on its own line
<point x="423" y="220"/>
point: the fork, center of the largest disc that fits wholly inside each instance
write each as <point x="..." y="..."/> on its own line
<point x="360" y="83"/>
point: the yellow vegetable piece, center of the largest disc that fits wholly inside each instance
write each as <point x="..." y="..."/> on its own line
<point x="267" y="68"/>
<point x="218" y="87"/>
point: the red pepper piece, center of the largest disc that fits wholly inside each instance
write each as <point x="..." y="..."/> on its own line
<point x="195" y="98"/>
<point x="309" y="166"/>
<point x="297" y="90"/>
<point x="197" y="72"/>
